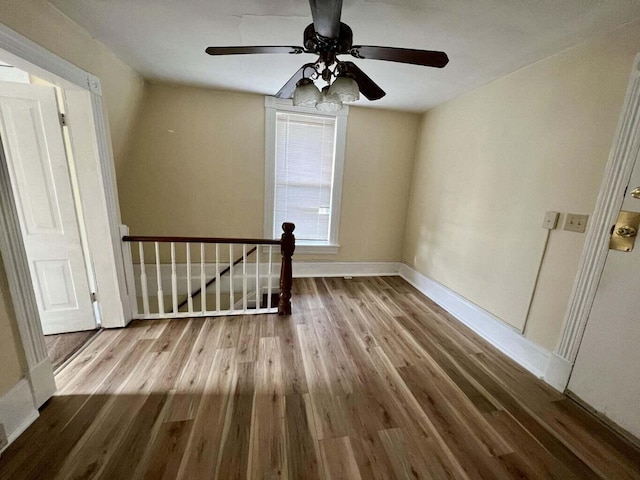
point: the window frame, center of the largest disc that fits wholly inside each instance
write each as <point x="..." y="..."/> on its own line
<point x="272" y="107"/>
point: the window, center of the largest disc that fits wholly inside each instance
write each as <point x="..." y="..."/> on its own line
<point x="304" y="158"/>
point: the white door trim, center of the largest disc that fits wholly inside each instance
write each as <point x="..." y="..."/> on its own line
<point x="115" y="310"/>
<point x="21" y="288"/>
<point x="625" y="150"/>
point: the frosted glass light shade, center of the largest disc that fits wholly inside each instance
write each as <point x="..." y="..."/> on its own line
<point x="306" y="94"/>
<point x="345" y="88"/>
<point x="330" y="103"/>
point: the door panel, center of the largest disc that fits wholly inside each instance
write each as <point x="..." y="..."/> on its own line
<point x="55" y="281"/>
<point x="37" y="164"/>
<point x="606" y="374"/>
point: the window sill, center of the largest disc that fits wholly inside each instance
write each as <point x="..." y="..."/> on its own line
<point x="316" y="248"/>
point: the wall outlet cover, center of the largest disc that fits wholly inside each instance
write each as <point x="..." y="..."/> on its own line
<point x="550" y="220"/>
<point x="576" y="222"/>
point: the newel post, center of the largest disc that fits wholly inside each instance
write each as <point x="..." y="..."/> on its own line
<point x="287" y="246"/>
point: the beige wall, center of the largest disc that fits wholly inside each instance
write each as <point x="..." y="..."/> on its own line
<point x="122" y="90"/>
<point x="196" y="167"/>
<point x="490" y="163"/>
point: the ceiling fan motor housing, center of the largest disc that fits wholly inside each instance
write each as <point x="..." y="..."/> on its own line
<point x="316" y="43"/>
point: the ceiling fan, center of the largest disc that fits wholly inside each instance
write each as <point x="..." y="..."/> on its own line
<point x="328" y="37"/>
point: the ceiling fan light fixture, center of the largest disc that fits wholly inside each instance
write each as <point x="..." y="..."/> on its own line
<point x="306" y="94"/>
<point x="345" y="88"/>
<point x="330" y="103"/>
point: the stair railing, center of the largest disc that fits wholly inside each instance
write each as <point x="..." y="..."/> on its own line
<point x="213" y="279"/>
<point x="253" y="281"/>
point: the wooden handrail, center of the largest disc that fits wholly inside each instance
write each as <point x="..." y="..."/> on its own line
<point x="247" y="241"/>
<point x="223" y="272"/>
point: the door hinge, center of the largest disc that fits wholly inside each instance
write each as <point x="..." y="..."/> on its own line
<point x="63" y="120"/>
<point x="94" y="296"/>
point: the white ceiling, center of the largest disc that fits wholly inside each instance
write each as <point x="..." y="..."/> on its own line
<point x="485" y="39"/>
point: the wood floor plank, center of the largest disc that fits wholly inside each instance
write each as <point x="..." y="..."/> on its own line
<point x="302" y="453"/>
<point x="167" y="450"/>
<point x="234" y="460"/>
<point x="191" y="382"/>
<point x="66" y="418"/>
<point x="539" y="460"/>
<point x="203" y="449"/>
<point x="94" y="451"/>
<point x="338" y="459"/>
<point x="337" y="361"/>
<point x="267" y="446"/>
<point x="295" y="380"/>
<point x="134" y="444"/>
<point x="327" y="415"/>
<point x="249" y="339"/>
<point x="170" y="336"/>
<point x="88" y="356"/>
<point x="230" y="335"/>
<point x="475" y="451"/>
<point x="368" y="379"/>
<point x="368" y="449"/>
<point x="396" y="447"/>
<point x="442" y="463"/>
<point x="181" y="350"/>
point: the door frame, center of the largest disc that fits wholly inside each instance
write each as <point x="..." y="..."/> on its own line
<point x="624" y="152"/>
<point x="96" y="178"/>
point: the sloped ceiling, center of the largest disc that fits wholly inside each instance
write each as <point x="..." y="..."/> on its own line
<point x="485" y="39"/>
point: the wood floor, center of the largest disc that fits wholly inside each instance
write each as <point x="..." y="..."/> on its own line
<point x="367" y="380"/>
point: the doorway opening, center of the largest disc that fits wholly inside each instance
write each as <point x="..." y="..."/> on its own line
<point x="64" y="281"/>
<point x="38" y="157"/>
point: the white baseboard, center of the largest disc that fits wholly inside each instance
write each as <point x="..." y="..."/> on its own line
<point x="344" y="269"/>
<point x="558" y="372"/>
<point x="17" y="411"/>
<point x="42" y="382"/>
<point x="508" y="340"/>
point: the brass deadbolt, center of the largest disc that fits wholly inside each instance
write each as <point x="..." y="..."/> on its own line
<point x="626" y="231"/>
<point x="623" y="234"/>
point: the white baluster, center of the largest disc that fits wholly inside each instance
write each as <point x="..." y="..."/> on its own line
<point x="217" y="277"/>
<point x="159" y="275"/>
<point x="189" y="293"/>
<point x="231" y="292"/>
<point x="257" y="276"/>
<point x="203" y="281"/>
<point x="143" y="281"/>
<point x="174" y="279"/>
<point x="270" y="273"/>
<point x="244" y="277"/>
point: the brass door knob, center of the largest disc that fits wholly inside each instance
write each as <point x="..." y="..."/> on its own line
<point x="626" y="231"/>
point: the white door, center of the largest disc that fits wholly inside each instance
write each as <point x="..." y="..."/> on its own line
<point x="35" y="154"/>
<point x="607" y="370"/>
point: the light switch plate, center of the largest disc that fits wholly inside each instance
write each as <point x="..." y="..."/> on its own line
<point x="576" y="222"/>
<point x="550" y="220"/>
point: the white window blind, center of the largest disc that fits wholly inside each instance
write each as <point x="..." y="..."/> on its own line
<point x="304" y="172"/>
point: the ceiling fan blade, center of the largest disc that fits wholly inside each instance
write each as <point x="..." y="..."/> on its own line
<point x="246" y="50"/>
<point x="326" y="17"/>
<point x="428" y="58"/>
<point x="287" y="90"/>
<point x="367" y="87"/>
